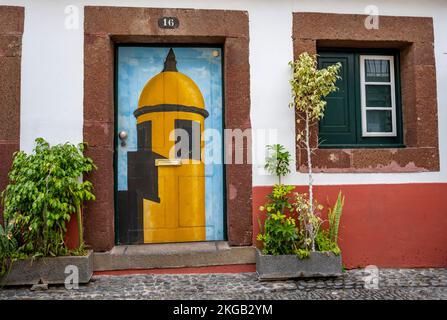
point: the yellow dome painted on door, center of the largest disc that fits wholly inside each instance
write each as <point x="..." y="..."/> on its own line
<point x="171" y="87"/>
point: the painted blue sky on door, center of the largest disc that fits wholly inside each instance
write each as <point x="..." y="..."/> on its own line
<point x="136" y="65"/>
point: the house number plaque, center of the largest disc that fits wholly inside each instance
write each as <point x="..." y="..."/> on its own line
<point x="168" y="23"/>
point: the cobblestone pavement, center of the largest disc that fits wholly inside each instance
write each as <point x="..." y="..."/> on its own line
<point x="393" y="284"/>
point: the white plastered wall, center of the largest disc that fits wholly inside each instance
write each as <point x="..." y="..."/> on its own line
<point x="52" y="72"/>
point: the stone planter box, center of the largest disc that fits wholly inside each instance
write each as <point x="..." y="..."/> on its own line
<point x="319" y="264"/>
<point x="48" y="270"/>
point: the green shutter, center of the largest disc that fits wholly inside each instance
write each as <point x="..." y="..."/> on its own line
<point x="338" y="126"/>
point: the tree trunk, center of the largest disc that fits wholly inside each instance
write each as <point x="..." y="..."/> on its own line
<point x="309" y="167"/>
<point x="80" y="225"/>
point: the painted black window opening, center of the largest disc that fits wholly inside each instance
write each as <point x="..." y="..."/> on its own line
<point x="187" y="139"/>
<point x="366" y="110"/>
<point x="144" y="132"/>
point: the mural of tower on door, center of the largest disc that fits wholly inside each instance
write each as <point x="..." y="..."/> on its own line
<point x="169" y="123"/>
<point x="168" y="99"/>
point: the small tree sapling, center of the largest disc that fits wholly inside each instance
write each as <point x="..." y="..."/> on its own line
<point x="309" y="87"/>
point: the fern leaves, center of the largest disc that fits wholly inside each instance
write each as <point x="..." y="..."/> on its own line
<point x="334" y="216"/>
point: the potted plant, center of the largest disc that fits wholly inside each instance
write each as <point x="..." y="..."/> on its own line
<point x="294" y="242"/>
<point x="45" y="191"/>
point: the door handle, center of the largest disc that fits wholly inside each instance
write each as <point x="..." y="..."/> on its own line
<point x="167" y="162"/>
<point x="123" y="136"/>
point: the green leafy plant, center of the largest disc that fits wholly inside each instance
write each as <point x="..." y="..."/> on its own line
<point x="279" y="199"/>
<point x="309" y="87"/>
<point x="278" y="161"/>
<point x="309" y="224"/>
<point x="334" y="216"/>
<point x="8" y="246"/>
<point x="290" y="227"/>
<point x="279" y="232"/>
<point x="45" y="188"/>
<point x="324" y="243"/>
<point x="302" y="253"/>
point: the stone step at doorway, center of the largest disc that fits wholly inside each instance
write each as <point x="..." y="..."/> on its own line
<point x="173" y="255"/>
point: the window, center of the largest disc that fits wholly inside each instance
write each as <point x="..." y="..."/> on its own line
<point x="365" y="111"/>
<point x="377" y="92"/>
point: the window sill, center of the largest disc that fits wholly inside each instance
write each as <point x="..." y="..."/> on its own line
<point x="367" y="159"/>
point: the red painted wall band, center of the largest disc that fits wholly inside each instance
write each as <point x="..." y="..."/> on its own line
<point x="388" y="225"/>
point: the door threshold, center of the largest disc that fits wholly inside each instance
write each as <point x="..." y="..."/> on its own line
<point x="172" y="255"/>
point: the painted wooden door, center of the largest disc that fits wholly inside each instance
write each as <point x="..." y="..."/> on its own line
<point x="169" y="167"/>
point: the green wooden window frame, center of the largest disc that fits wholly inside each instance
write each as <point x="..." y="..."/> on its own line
<point x="344" y="124"/>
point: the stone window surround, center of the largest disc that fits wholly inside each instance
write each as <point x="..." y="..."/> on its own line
<point x="106" y="26"/>
<point x="413" y="36"/>
<point x="11" y="30"/>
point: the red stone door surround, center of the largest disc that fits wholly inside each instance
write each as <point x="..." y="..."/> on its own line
<point x="11" y="30"/>
<point x="106" y="26"/>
